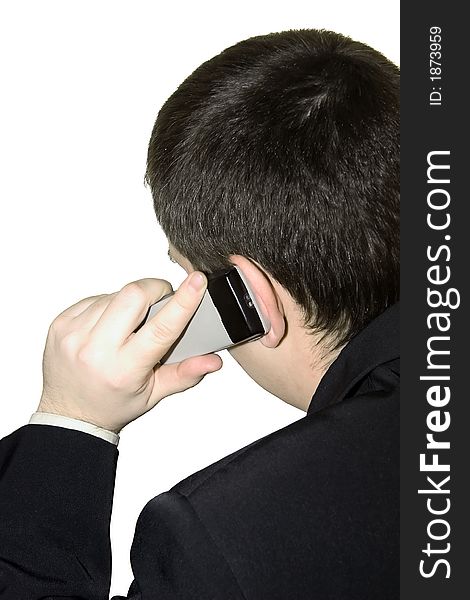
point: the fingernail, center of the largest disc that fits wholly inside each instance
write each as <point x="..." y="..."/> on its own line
<point x="197" y="281"/>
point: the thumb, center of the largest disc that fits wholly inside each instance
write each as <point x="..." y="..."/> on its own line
<point x="171" y="379"/>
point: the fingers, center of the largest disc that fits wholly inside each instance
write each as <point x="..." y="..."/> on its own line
<point x="127" y="309"/>
<point x="171" y="379"/>
<point x="153" y="340"/>
<point x="80" y="306"/>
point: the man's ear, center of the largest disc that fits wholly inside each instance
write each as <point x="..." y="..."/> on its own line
<point x="266" y="296"/>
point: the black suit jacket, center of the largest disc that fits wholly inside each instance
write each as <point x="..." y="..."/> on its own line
<point x="309" y="511"/>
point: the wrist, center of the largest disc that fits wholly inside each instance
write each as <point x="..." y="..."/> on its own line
<point x="55" y="419"/>
<point x="50" y="406"/>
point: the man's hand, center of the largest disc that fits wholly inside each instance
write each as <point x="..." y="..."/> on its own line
<point x="97" y="370"/>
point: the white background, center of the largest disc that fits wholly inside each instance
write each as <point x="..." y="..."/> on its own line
<point x="81" y="85"/>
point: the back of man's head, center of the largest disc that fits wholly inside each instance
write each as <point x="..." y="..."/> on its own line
<point x="285" y="149"/>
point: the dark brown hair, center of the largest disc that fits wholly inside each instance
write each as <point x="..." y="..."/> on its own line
<point x="284" y="148"/>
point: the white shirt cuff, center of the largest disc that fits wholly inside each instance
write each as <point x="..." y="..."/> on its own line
<point x="43" y="418"/>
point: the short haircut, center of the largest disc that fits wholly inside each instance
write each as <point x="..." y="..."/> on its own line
<point x="284" y="148"/>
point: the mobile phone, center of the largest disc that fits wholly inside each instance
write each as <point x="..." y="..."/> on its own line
<point x="227" y="315"/>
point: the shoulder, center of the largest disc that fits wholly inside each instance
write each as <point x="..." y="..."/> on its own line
<point x="363" y="429"/>
<point x="294" y="500"/>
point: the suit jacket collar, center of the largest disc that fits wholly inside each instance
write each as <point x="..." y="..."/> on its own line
<point x="376" y="344"/>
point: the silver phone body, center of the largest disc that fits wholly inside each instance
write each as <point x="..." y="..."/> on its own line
<point x="207" y="331"/>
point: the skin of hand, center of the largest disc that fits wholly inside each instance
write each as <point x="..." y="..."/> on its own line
<point x="97" y="370"/>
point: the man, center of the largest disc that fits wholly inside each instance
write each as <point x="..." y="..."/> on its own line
<point x="280" y="155"/>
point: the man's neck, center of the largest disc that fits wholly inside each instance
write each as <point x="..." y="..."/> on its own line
<point x="309" y="360"/>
